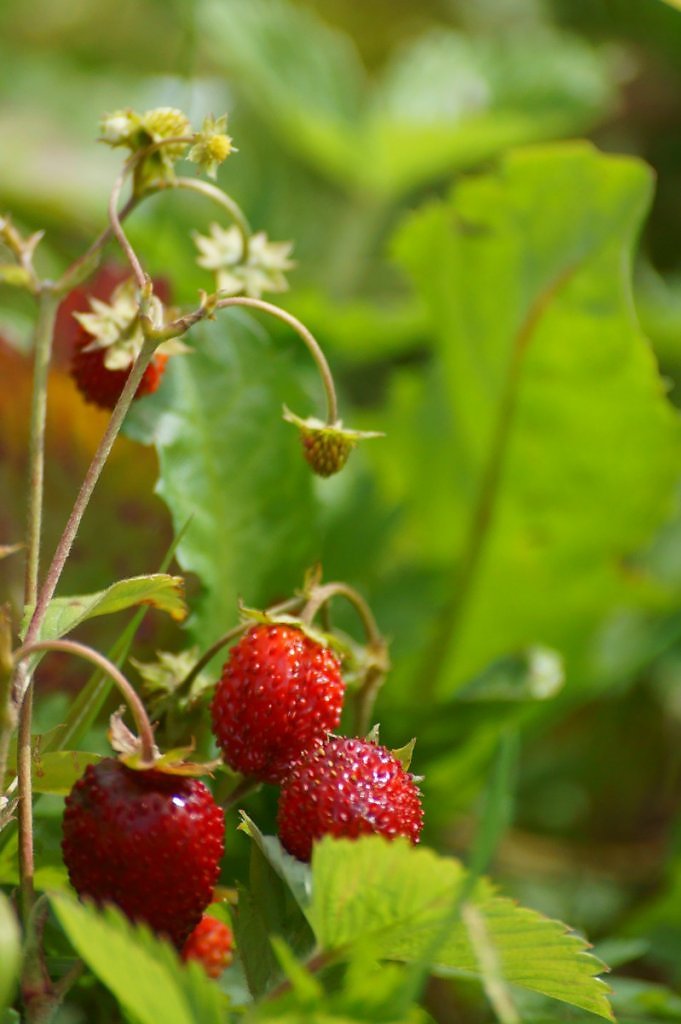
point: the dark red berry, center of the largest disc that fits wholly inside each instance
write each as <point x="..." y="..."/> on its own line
<point x="211" y="944"/>
<point x="347" y="788"/>
<point x="103" y="387"/>
<point x="280" y="693"/>
<point x="146" y="841"/>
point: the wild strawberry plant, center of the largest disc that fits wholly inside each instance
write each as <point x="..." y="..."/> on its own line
<point x="344" y="912"/>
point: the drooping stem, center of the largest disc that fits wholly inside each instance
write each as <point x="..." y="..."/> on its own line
<point x="81" y="267"/>
<point x="378" y="661"/>
<point x="303" y="333"/>
<point x="216" y="195"/>
<point x="117" y="227"/>
<point x="321" y="595"/>
<point x="47" y="311"/>
<point x="91" y="477"/>
<point x="128" y="691"/>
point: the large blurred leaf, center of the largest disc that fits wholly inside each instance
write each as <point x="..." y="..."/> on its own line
<point x="546" y="452"/>
<point x="398" y="900"/>
<point x="229" y="463"/>
<point x="143" y="973"/>
<point x="443" y="103"/>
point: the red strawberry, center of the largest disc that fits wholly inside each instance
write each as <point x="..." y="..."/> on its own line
<point x="103" y="387"/>
<point x="147" y="841"/>
<point x="210" y="943"/>
<point x="280" y="693"/>
<point x="347" y="788"/>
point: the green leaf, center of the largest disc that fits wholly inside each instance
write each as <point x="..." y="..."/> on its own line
<point x="444" y="102"/>
<point x="158" y="590"/>
<point x="10" y="952"/>
<point x="57" y="772"/>
<point x="400" y="899"/>
<point x="293" y="872"/>
<point x="449" y="100"/>
<point x="143" y="973"/>
<point x="227" y="459"/>
<point x="546" y="404"/>
<point x="271" y="906"/>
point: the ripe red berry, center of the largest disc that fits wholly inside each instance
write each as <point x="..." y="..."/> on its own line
<point x="103" y="387"/>
<point x="279" y="694"/>
<point x="147" y="841"/>
<point x="210" y="943"/>
<point x="347" y="788"/>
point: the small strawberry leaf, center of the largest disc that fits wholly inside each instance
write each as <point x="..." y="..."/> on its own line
<point x="158" y="590"/>
<point x="57" y="772"/>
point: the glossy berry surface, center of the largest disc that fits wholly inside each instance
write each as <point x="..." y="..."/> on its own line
<point x="211" y="944"/>
<point x="103" y="387"/>
<point x="280" y="693"/>
<point x="347" y="788"/>
<point x="146" y="841"/>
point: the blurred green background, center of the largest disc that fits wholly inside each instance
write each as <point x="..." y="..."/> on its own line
<point x="562" y="636"/>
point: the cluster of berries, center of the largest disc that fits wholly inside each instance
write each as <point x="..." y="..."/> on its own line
<point x="151" y="840"/>
<point x="278" y="700"/>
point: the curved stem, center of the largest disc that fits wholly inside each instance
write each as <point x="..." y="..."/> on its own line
<point x="84" y="264"/>
<point x="378" y="661"/>
<point x="303" y="333"/>
<point x="217" y="196"/>
<point x="117" y="228"/>
<point x="321" y="595"/>
<point x="208" y="656"/>
<point x="129" y="693"/>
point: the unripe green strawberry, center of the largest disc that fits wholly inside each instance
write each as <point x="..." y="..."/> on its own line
<point x="326" y="446"/>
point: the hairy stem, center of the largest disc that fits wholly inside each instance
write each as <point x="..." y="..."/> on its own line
<point x="117" y="227"/>
<point x="47" y="311"/>
<point x="378" y="661"/>
<point x="128" y="692"/>
<point x="91" y="477"/>
<point x="82" y="267"/>
<point x="303" y="333"/>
